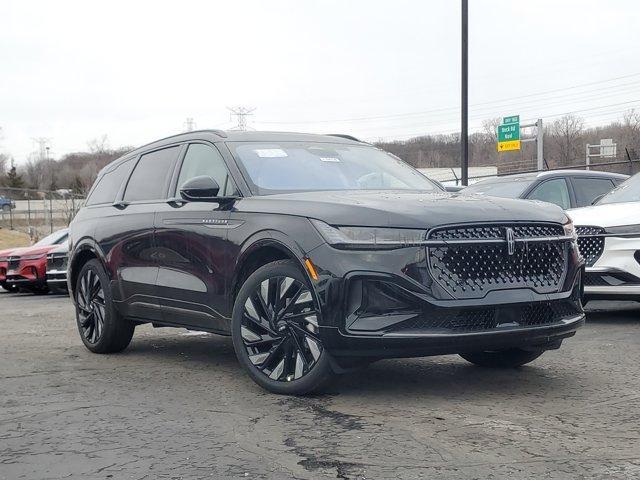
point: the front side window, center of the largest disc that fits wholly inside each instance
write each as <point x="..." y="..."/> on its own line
<point x="149" y="177"/>
<point x="552" y="191"/>
<point x="588" y="189"/>
<point x="203" y="159"/>
<point x="308" y="166"/>
<point x="627" y="191"/>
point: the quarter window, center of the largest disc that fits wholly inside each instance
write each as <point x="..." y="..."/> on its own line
<point x="587" y="189"/>
<point x="149" y="178"/>
<point x="109" y="184"/>
<point x="552" y="191"/>
<point x="203" y="159"/>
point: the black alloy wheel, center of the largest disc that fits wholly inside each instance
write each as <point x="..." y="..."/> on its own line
<point x="276" y="330"/>
<point x="101" y="327"/>
<point x="91" y="307"/>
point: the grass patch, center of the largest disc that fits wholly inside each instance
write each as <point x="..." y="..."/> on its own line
<point x="13" y="239"/>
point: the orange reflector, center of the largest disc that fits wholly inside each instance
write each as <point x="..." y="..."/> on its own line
<point x="311" y="268"/>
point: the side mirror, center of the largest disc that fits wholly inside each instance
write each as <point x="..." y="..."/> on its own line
<point x="597" y="199"/>
<point x="200" y="189"/>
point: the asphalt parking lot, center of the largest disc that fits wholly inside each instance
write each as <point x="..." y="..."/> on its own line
<point x="176" y="405"/>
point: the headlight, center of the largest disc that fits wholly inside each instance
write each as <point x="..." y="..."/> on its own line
<point x="33" y="257"/>
<point x="369" y="237"/>
<point x="626" y="230"/>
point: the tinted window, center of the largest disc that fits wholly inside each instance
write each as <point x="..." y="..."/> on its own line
<point x="205" y="160"/>
<point x="587" y="189"/>
<point x="109" y="184"/>
<point x="148" y="180"/>
<point x="552" y="191"/>
<point x="297" y="166"/>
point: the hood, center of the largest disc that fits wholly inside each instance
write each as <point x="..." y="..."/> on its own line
<point x="7" y="252"/>
<point x="408" y="209"/>
<point x="62" y="248"/>
<point x="24" y="251"/>
<point x="607" y="215"/>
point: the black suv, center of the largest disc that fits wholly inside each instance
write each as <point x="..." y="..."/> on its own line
<point x="316" y="254"/>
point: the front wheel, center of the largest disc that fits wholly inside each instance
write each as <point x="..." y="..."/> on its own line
<point x="511" y="358"/>
<point x="275" y="331"/>
<point x="101" y="327"/>
<point x="6" y="208"/>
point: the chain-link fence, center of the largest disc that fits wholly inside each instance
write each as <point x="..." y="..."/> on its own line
<point x="37" y="212"/>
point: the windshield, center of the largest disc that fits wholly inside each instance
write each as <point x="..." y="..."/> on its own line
<point x="56" y="238"/>
<point x="512" y="188"/>
<point x="627" y="191"/>
<point x="294" y="166"/>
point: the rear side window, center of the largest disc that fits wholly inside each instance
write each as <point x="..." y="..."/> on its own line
<point x="109" y="185"/>
<point x="552" y="191"/>
<point x="205" y="160"/>
<point x="149" y="178"/>
<point x="587" y="189"/>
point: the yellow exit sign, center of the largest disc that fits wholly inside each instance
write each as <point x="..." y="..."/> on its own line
<point x="508" y="146"/>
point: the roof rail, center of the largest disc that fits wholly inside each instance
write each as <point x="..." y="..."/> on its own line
<point x="342" y="135"/>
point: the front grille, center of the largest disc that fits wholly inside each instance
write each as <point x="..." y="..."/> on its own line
<point x="469" y="268"/>
<point x="590" y="243"/>
<point x="468" y="320"/>
<point x="13" y="263"/>
<point x="57" y="262"/>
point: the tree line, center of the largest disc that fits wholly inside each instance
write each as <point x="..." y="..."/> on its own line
<point x="564" y="145"/>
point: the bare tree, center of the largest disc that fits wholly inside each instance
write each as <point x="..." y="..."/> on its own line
<point x="99" y="144"/>
<point x="490" y="129"/>
<point x="567" y="133"/>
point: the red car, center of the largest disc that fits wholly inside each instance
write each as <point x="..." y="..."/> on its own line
<point x="26" y="268"/>
<point x="4" y="254"/>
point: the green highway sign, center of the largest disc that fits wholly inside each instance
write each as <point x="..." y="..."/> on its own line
<point x="509" y="132"/>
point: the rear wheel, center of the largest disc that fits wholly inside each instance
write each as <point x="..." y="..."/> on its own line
<point x="511" y="358"/>
<point x="6" y="208"/>
<point x="101" y="327"/>
<point x="275" y="331"/>
<point x="10" y="288"/>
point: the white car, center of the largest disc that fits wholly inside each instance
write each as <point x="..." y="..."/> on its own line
<point x="609" y="240"/>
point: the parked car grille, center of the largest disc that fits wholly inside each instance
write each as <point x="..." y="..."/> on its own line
<point x="478" y="259"/>
<point x="590" y="243"/>
<point x="468" y="320"/>
<point x="57" y="262"/>
<point x="13" y="263"/>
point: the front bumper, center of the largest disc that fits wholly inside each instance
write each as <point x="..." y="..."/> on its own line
<point x="29" y="273"/>
<point x="616" y="273"/>
<point x="409" y="316"/>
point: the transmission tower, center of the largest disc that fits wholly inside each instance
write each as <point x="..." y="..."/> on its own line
<point x="241" y="114"/>
<point x="43" y="147"/>
<point x="189" y="124"/>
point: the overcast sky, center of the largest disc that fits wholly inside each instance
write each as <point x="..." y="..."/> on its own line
<point x="135" y="70"/>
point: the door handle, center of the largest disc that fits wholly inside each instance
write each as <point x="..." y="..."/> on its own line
<point x="121" y="205"/>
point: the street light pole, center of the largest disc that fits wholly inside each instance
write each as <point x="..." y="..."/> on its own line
<point x="464" y="132"/>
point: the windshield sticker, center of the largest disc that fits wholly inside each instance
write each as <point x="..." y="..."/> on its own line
<point x="271" y="153"/>
<point x="330" y="159"/>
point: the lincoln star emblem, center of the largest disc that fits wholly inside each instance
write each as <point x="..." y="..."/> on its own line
<point x="511" y="241"/>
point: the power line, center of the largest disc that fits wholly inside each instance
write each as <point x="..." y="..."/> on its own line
<point x="446" y="109"/>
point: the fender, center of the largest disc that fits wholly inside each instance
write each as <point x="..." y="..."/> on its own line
<point x="83" y="245"/>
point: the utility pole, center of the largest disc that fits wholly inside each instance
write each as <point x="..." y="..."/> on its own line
<point x="189" y="124"/>
<point x="241" y="114"/>
<point x="464" y="132"/>
<point x="43" y="147"/>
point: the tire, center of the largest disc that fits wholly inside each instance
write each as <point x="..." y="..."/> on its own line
<point x="10" y="288"/>
<point x="274" y="331"/>
<point x="6" y="208"/>
<point x="511" y="358"/>
<point x="101" y="327"/>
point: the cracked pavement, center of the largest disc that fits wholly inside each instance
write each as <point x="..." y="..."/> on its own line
<point x="176" y="405"/>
